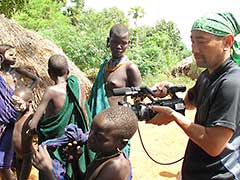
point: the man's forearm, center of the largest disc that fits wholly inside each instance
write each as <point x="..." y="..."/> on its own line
<point x="197" y="133"/>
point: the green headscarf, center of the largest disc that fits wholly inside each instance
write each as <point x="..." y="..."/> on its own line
<point x="221" y="24"/>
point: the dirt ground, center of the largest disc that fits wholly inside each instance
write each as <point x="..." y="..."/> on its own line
<point x="164" y="143"/>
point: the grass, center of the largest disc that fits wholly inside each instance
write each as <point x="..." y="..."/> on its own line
<point x="150" y="80"/>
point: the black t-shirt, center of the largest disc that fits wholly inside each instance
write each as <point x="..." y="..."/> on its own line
<point x="217" y="98"/>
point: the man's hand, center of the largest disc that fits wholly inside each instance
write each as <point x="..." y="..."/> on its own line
<point x="161" y="89"/>
<point x="164" y="115"/>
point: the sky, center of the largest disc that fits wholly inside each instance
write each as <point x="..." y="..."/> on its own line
<point x="181" y="12"/>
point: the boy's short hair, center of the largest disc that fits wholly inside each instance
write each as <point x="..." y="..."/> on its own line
<point x="57" y="65"/>
<point x="118" y="30"/>
<point x="124" y="121"/>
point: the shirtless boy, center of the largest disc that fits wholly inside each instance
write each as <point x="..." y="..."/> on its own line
<point x="109" y="134"/>
<point x="62" y="103"/>
<point x="22" y="143"/>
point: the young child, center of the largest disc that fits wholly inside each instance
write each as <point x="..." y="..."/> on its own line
<point x="116" y="72"/>
<point x="109" y="134"/>
<point x="22" y="144"/>
<point x="62" y="103"/>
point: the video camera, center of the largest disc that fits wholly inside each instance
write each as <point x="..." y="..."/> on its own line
<point x="141" y="109"/>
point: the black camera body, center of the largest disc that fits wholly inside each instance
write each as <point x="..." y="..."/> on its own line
<point x="142" y="109"/>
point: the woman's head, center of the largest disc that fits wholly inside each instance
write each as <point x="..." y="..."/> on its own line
<point x="118" y="40"/>
<point x="7" y="54"/>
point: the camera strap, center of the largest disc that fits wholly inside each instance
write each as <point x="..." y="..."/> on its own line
<point x="161" y="163"/>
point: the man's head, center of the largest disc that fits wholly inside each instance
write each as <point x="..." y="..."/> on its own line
<point x="111" y="129"/>
<point x="7" y="54"/>
<point x="57" y="66"/>
<point x="213" y="35"/>
<point x="22" y="98"/>
<point x="118" y="40"/>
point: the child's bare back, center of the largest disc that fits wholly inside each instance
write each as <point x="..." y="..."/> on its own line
<point x="57" y="96"/>
<point x="22" y="143"/>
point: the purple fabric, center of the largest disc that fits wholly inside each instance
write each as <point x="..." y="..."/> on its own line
<point x="59" y="170"/>
<point x="8" y="114"/>
<point x="6" y="148"/>
<point x="72" y="133"/>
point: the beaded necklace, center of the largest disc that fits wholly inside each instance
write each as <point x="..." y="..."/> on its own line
<point x="116" y="66"/>
<point x="109" y="156"/>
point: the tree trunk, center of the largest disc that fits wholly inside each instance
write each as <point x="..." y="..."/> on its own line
<point x="33" y="52"/>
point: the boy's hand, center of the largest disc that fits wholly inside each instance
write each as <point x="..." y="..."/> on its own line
<point x="42" y="160"/>
<point x="73" y="150"/>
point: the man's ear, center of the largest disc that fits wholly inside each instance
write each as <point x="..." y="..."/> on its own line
<point x="108" y="42"/>
<point x="228" y="41"/>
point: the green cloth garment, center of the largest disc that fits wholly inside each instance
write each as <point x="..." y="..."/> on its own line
<point x="221" y="24"/>
<point x="98" y="100"/>
<point x="76" y="111"/>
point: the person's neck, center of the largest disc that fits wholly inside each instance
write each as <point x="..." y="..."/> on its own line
<point x="60" y="80"/>
<point x="218" y="64"/>
<point x="108" y="155"/>
<point x="116" y="60"/>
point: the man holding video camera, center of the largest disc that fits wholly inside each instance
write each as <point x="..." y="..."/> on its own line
<point x="213" y="150"/>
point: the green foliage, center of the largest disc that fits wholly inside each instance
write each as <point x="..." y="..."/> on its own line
<point x="9" y="7"/>
<point x="150" y="80"/>
<point x="42" y="15"/>
<point x="137" y="13"/>
<point x="82" y="34"/>
<point x="159" y="48"/>
<point x="84" y="43"/>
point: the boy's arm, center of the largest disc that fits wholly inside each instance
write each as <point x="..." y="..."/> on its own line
<point x="77" y="173"/>
<point x="42" y="161"/>
<point x="74" y="151"/>
<point x="29" y="75"/>
<point x="40" y="110"/>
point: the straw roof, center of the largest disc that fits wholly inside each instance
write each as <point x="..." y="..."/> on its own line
<point x="33" y="52"/>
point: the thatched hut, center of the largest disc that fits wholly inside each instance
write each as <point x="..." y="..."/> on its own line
<point x="33" y="53"/>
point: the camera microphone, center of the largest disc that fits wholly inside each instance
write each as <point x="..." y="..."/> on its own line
<point x="126" y="91"/>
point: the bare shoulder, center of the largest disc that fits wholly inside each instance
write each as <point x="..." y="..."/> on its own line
<point x="58" y="88"/>
<point x="119" y="166"/>
<point x="131" y="65"/>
